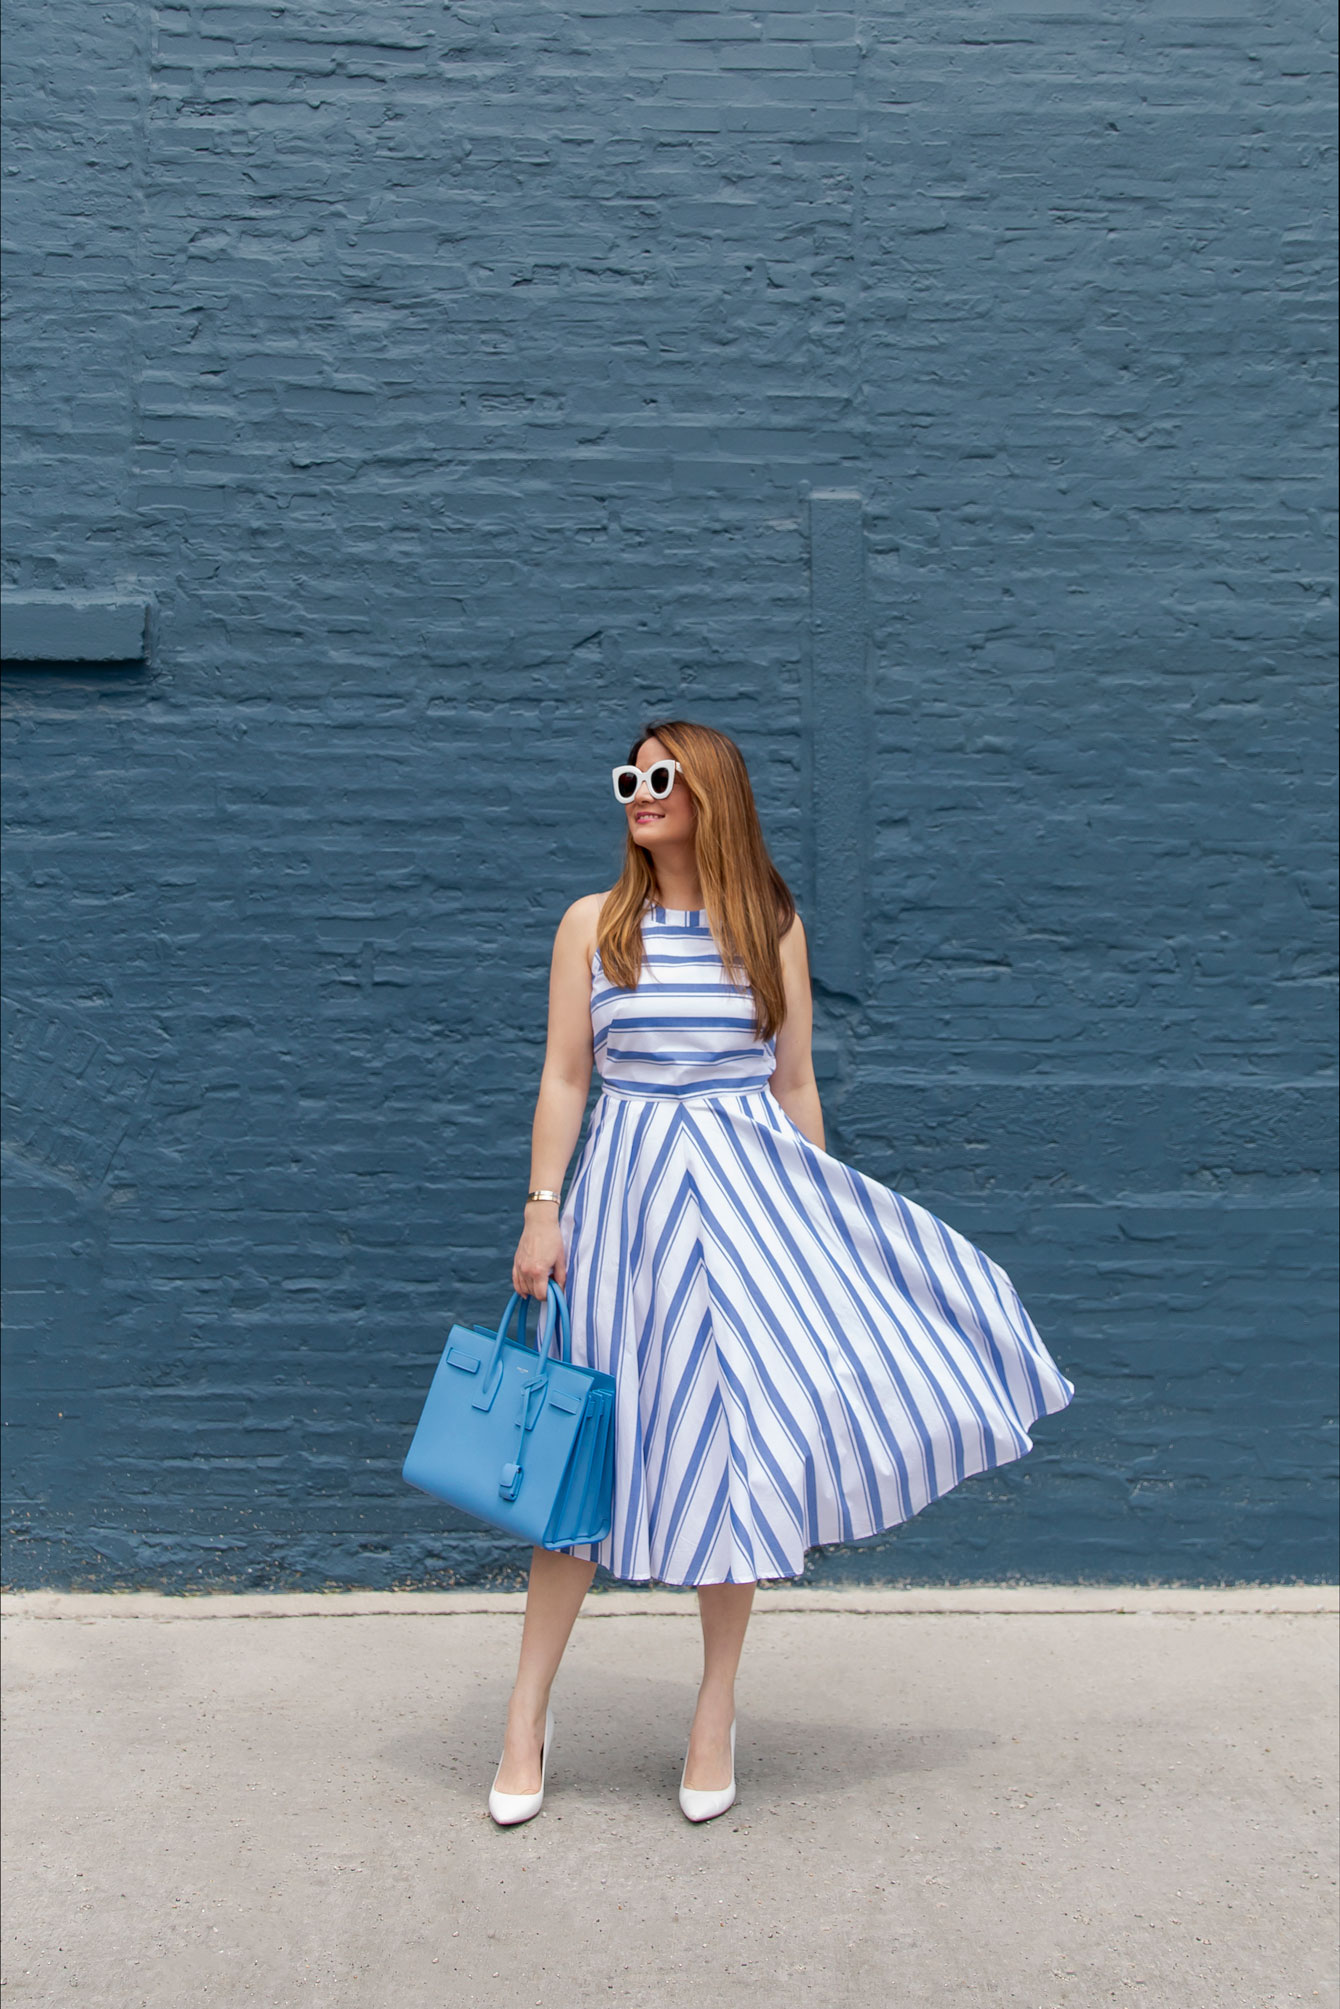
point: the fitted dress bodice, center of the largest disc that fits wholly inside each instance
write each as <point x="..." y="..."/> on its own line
<point x="686" y="1030"/>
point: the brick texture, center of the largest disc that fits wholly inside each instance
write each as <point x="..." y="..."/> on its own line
<point x="451" y="379"/>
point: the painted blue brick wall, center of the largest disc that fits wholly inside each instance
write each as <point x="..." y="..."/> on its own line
<point x="452" y="380"/>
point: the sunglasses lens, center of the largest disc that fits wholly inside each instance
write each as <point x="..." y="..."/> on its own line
<point x="625" y="784"/>
<point x="661" y="778"/>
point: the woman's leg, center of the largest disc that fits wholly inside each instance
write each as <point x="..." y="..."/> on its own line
<point x="724" y="1610"/>
<point x="558" y="1583"/>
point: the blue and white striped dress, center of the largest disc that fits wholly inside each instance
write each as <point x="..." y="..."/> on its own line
<point x="801" y="1355"/>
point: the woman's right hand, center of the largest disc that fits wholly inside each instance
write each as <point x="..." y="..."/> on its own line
<point x="540" y="1253"/>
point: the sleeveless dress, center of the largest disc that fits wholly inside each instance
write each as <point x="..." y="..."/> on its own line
<point x="801" y="1356"/>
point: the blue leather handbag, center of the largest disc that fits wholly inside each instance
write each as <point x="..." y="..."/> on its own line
<point x="517" y="1438"/>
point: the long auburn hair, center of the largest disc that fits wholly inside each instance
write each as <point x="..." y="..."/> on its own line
<point x="749" y="905"/>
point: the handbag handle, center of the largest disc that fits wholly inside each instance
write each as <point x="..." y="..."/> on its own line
<point x="518" y="1309"/>
<point x="556" y="1319"/>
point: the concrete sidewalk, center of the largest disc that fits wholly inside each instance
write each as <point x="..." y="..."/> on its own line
<point x="1027" y="1798"/>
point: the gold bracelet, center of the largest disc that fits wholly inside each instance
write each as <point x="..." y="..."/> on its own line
<point x="541" y="1194"/>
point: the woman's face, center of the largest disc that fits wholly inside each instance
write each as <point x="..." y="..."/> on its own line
<point x="654" y="824"/>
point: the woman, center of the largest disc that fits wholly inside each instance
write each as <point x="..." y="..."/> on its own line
<point x="801" y="1356"/>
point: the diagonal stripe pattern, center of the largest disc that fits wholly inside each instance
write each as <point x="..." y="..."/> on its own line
<point x="801" y="1355"/>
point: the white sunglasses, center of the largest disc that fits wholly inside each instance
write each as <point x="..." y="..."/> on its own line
<point x="659" y="777"/>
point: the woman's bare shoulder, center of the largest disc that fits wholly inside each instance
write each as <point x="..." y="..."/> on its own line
<point x="589" y="906"/>
<point x="793" y="937"/>
<point x="581" y="923"/>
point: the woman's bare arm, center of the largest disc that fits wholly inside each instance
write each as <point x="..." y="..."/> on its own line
<point x="559" y="1107"/>
<point x="793" y="1082"/>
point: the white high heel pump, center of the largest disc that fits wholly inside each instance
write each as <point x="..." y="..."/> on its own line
<point x="508" y="1809"/>
<point x="696" y="1806"/>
